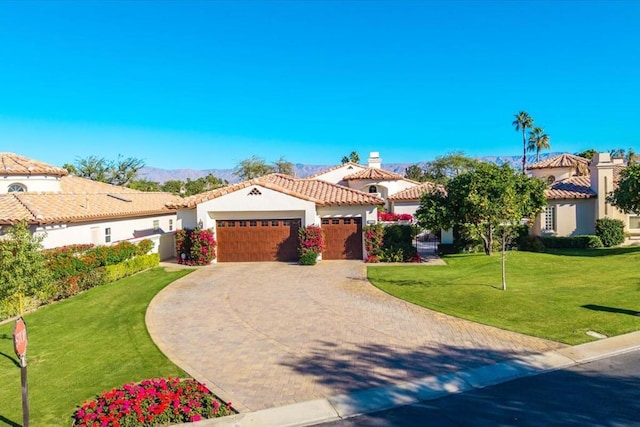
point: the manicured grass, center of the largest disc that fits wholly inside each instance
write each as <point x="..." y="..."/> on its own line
<point x="79" y="347"/>
<point x="558" y="296"/>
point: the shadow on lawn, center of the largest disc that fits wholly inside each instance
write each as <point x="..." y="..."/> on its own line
<point x="595" y="252"/>
<point x="8" y="422"/>
<point x="356" y="367"/>
<point x="611" y="309"/>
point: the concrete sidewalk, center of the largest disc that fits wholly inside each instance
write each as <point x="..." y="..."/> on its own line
<point x="427" y="388"/>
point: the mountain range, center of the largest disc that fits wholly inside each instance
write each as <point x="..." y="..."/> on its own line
<point x="304" y="170"/>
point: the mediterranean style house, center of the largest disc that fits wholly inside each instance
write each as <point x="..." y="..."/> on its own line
<point x="72" y="210"/>
<point x="577" y="195"/>
<point x="257" y="220"/>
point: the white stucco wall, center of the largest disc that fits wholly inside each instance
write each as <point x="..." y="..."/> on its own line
<point x="94" y="232"/>
<point x="573" y="217"/>
<point x="557" y="173"/>
<point x="406" y="207"/>
<point x="33" y="183"/>
<point x="270" y="204"/>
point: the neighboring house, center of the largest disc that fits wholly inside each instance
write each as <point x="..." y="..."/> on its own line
<point x="258" y="220"/>
<point x="577" y="195"/>
<point x="73" y="210"/>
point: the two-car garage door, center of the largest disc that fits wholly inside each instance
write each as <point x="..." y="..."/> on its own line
<point x="277" y="239"/>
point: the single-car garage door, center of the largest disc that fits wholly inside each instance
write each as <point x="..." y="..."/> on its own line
<point x="343" y="238"/>
<point x="257" y="240"/>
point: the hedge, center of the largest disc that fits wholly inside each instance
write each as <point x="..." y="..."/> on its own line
<point x="575" y="242"/>
<point x="610" y="231"/>
<point x="130" y="267"/>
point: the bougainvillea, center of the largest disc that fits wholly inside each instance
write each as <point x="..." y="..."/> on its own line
<point x="195" y="247"/>
<point x="392" y="217"/>
<point x="373" y="239"/>
<point x="154" y="402"/>
<point x="311" y="244"/>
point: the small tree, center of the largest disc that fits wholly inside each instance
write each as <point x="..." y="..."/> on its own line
<point x="116" y="172"/>
<point x="253" y="167"/>
<point x="23" y="271"/>
<point x="626" y="196"/>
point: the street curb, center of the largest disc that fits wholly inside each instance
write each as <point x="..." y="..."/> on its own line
<point x="377" y="399"/>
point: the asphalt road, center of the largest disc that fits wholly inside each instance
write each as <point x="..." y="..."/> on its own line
<point x="600" y="393"/>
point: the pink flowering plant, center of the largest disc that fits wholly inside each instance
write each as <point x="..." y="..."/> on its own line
<point x="154" y="402"/>
<point x="311" y="244"/>
<point x="393" y="217"/>
<point x="195" y="247"/>
<point x="373" y="241"/>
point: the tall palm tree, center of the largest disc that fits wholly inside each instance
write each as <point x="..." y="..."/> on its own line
<point x="538" y="141"/>
<point x="523" y="121"/>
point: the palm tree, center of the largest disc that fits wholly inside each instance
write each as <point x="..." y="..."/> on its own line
<point x="538" y="141"/>
<point x="523" y="121"/>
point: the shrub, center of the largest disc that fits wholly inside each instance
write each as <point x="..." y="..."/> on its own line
<point x="531" y="244"/>
<point x="393" y="217"/>
<point x="575" y="242"/>
<point x="373" y="238"/>
<point x="130" y="267"/>
<point x="610" y="231"/>
<point x="195" y="246"/>
<point x="308" y="258"/>
<point x="310" y="244"/>
<point x="144" y="247"/>
<point x="397" y="243"/>
<point x="152" y="402"/>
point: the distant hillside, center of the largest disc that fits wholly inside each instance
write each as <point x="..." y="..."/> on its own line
<point x="304" y="170"/>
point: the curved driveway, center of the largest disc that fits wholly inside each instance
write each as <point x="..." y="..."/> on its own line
<point x="269" y="334"/>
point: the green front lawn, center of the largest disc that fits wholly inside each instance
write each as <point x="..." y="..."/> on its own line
<point x="81" y="346"/>
<point x="558" y="296"/>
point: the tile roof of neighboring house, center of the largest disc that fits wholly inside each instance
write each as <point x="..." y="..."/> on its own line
<point x="82" y="201"/>
<point x="13" y="164"/>
<point x="374" y="174"/>
<point x="577" y="187"/>
<point x="616" y="172"/>
<point x="333" y="168"/>
<point x="415" y="193"/>
<point x="561" y="161"/>
<point x="320" y="192"/>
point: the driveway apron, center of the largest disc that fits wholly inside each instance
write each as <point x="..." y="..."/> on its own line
<point x="268" y="334"/>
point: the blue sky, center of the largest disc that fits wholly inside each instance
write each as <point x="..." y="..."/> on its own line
<point x="205" y="84"/>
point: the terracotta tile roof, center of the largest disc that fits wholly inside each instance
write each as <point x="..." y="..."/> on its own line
<point x="616" y="172"/>
<point x="13" y="164"/>
<point x="415" y="193"/>
<point x="320" y="192"/>
<point x="79" y="204"/>
<point x="562" y="161"/>
<point x="577" y="187"/>
<point x="333" y="168"/>
<point x="374" y="174"/>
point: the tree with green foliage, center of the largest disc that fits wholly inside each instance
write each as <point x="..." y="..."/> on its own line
<point x="484" y="200"/>
<point x="116" y="172"/>
<point x="444" y="168"/>
<point x="173" y="186"/>
<point x="353" y="157"/>
<point x="588" y="154"/>
<point x="253" y="167"/>
<point x="283" y="166"/>
<point x="144" y="185"/>
<point x="538" y="141"/>
<point x="626" y="195"/>
<point x="415" y="173"/>
<point x="522" y="122"/>
<point x="23" y="271"/>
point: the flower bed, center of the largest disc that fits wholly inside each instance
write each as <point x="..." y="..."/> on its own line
<point x="153" y="402"/>
<point x="392" y="217"/>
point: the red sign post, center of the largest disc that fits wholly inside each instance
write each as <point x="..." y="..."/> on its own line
<point x="20" y="347"/>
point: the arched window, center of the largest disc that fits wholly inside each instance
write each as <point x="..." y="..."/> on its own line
<point x="16" y="188"/>
<point x="551" y="179"/>
<point x="373" y="189"/>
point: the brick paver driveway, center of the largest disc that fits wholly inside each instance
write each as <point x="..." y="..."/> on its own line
<point x="268" y="334"/>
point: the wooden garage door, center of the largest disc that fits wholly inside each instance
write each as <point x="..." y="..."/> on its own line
<point x="343" y="238"/>
<point x="257" y="240"/>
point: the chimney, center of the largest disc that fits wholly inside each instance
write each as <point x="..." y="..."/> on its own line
<point x="374" y="160"/>
<point x="601" y="180"/>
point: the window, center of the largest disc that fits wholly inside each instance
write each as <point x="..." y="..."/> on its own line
<point x="325" y="221"/>
<point x="220" y="224"/>
<point x="551" y="179"/>
<point x="156" y="224"/>
<point x="265" y="223"/>
<point x="170" y="225"/>
<point x="275" y="223"/>
<point x="335" y="221"/>
<point x="347" y="220"/>
<point x="634" y="222"/>
<point x="242" y="223"/>
<point x="253" y="223"/>
<point x="107" y="235"/>
<point x="286" y="223"/>
<point x="550" y="218"/>
<point x="231" y="223"/>
<point x="373" y="189"/>
<point x="16" y="188"/>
